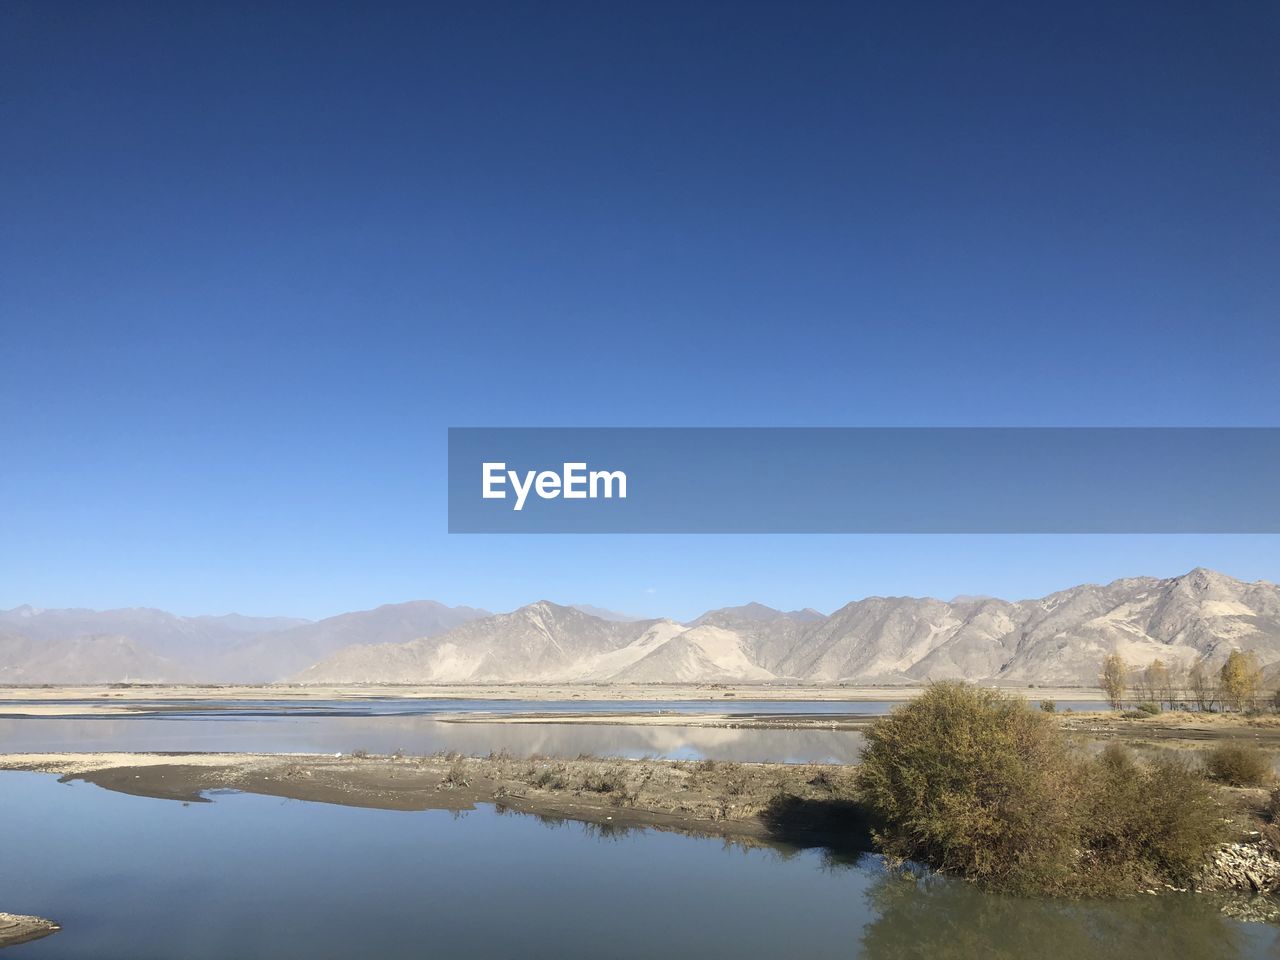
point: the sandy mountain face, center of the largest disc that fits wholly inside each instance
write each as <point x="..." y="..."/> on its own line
<point x="542" y="642"/>
<point x="1061" y="638"/>
<point x="279" y="654"/>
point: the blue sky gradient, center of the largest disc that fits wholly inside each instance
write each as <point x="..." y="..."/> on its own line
<point x="258" y="257"/>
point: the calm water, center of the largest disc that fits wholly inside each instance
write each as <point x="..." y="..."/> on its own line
<point x="255" y="877"/>
<point x="383" y="726"/>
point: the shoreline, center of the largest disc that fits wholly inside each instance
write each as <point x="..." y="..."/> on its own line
<point x="16" y="928"/>
<point x="132" y="699"/>
<point x="783" y="807"/>
<point x="739" y="802"/>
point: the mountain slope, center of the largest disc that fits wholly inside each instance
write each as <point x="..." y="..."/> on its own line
<point x="85" y="659"/>
<point x="157" y="645"/>
<point x="280" y="654"/>
<point x="537" y="642"/>
<point x="193" y="641"/>
<point x="1061" y="638"/>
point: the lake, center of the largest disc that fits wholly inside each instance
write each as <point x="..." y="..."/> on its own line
<point x="257" y="877"/>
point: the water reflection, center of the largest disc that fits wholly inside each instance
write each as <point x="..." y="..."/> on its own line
<point x="256" y="877"/>
<point x="419" y="735"/>
<point x="940" y="919"/>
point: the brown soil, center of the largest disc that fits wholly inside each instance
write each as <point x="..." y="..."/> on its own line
<point x="1175" y="725"/>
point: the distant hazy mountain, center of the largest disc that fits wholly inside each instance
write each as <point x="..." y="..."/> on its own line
<point x="84" y="659"/>
<point x="90" y="646"/>
<point x="1060" y="638"/>
<point x="155" y="642"/>
<point x="279" y="654"/>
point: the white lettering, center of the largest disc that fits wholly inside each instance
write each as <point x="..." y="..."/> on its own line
<point x="548" y="484"/>
<point x="574" y="482"/>
<point x="575" y="473"/>
<point x="493" y="476"/>
<point x="521" y="491"/>
<point x="609" y="476"/>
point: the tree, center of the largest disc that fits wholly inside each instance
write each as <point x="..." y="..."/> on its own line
<point x="1176" y="688"/>
<point x="1241" y="677"/>
<point x="1112" y="679"/>
<point x="1157" y="680"/>
<point x="1201" y="682"/>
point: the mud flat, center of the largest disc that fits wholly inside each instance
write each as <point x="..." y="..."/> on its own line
<point x="15" y="929"/>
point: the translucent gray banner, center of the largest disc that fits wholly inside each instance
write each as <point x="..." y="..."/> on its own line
<point x="864" y="480"/>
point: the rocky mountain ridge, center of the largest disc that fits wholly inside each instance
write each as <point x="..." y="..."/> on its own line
<point x="1061" y="638"/>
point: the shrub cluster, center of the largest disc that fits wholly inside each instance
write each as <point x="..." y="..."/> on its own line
<point x="1240" y="765"/>
<point x="974" y="782"/>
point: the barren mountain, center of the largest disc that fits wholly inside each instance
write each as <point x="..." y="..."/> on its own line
<point x="83" y="659"/>
<point x="1060" y="638"/>
<point x="542" y="641"/>
<point x="166" y="634"/>
<point x="92" y="646"/>
<point x="279" y="654"/>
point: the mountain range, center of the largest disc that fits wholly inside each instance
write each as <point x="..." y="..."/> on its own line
<point x="1060" y="638"/>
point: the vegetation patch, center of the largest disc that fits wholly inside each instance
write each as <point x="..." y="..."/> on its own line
<point x="1240" y="765"/>
<point x="974" y="782"/>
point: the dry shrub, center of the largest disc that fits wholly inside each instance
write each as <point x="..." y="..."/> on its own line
<point x="1148" y="821"/>
<point x="1240" y="764"/>
<point x="974" y="782"/>
<point x="971" y="781"/>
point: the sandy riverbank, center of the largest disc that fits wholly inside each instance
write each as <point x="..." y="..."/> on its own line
<point x="120" y="698"/>
<point x="779" y="804"/>
<point x="734" y="721"/>
<point x="16" y="929"/>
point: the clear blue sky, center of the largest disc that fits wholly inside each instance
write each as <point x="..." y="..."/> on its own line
<point x="258" y="257"/>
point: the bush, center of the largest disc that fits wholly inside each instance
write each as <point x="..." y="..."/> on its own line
<point x="1150" y="708"/>
<point x="1049" y="706"/>
<point x="1240" y="764"/>
<point x="1157" y="820"/>
<point x="974" y="782"/>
